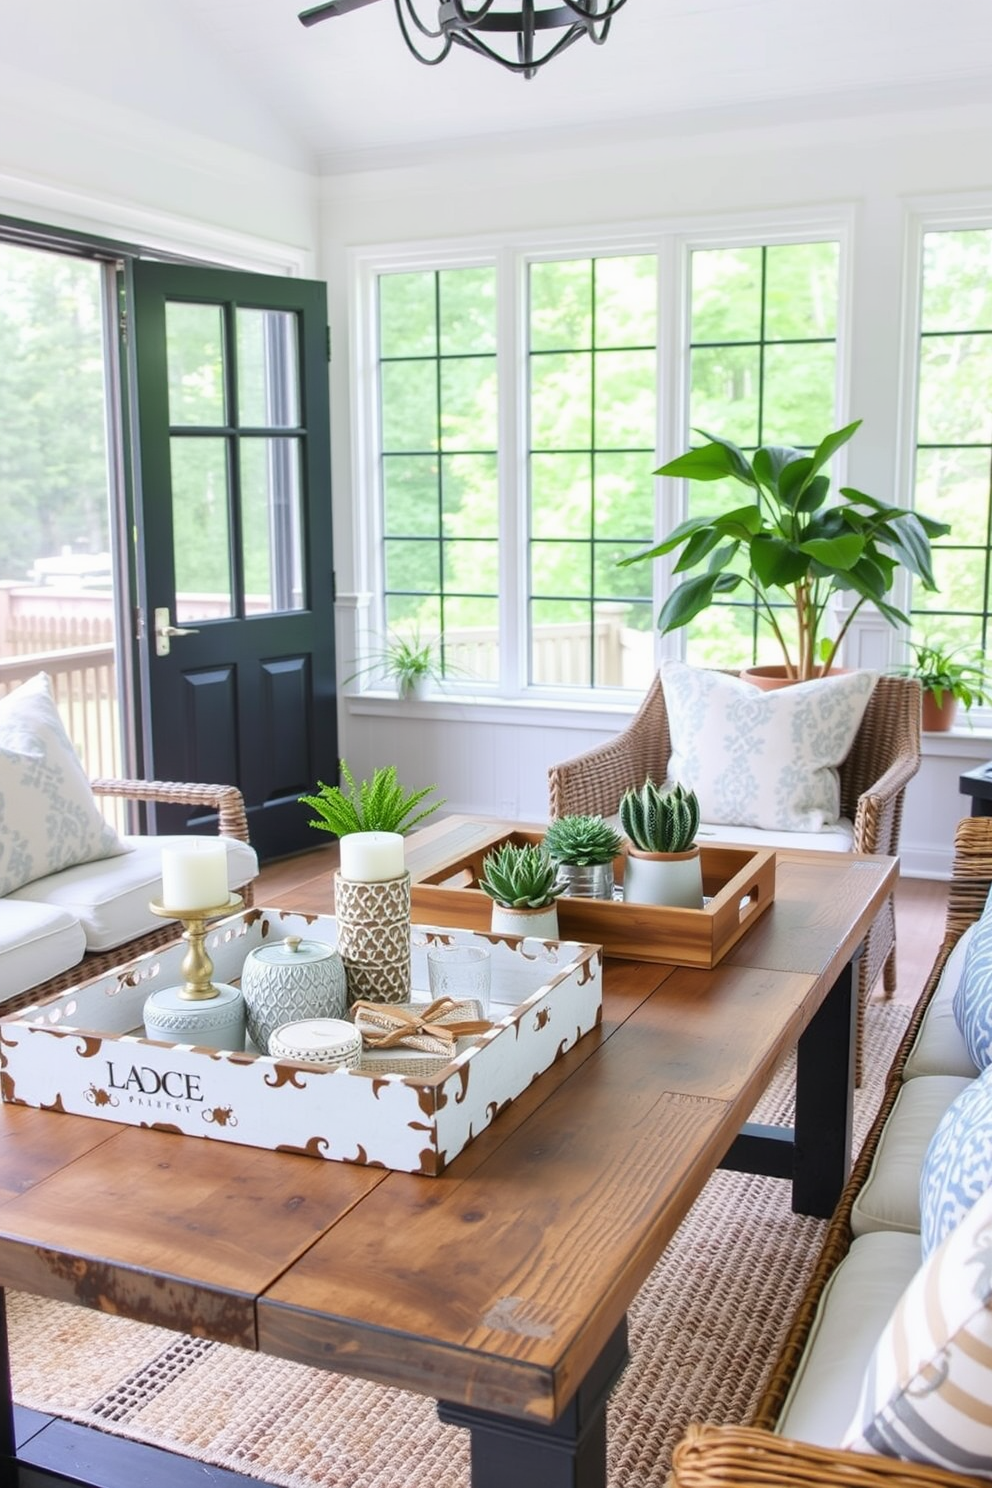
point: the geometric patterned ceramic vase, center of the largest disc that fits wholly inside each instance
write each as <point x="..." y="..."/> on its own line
<point x="289" y="982"/>
<point x="374" y="937"/>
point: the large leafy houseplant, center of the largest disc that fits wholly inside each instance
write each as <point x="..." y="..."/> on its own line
<point x="788" y="545"/>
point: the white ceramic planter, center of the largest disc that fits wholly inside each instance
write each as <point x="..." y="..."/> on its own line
<point x="663" y="878"/>
<point x="540" y="922"/>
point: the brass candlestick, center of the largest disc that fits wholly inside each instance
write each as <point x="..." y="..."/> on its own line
<point x="197" y="967"/>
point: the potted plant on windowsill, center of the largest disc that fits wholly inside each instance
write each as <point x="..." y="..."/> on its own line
<point x="946" y="681"/>
<point x="408" y="663"/>
<point x="787" y="545"/>
<point x="583" y="849"/>
<point x="663" y="865"/>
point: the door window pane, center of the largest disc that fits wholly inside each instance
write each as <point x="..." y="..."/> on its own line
<point x="200" y="530"/>
<point x="268" y="369"/>
<point x="195" y="354"/>
<point x="271" y="525"/>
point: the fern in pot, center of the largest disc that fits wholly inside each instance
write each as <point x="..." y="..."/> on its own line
<point x="521" y="880"/>
<point x="583" y="848"/>
<point x="663" y="865"/>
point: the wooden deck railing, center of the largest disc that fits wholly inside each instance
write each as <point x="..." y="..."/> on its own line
<point x="84" y="681"/>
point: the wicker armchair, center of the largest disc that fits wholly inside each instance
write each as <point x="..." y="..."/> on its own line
<point x="883" y="759"/>
<point x="232" y="821"/>
<point x="747" y="1456"/>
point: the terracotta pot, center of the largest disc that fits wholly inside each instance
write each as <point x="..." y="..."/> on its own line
<point x="768" y="678"/>
<point x="934" y="720"/>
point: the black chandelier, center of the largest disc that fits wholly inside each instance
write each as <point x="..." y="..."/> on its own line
<point x="521" y="35"/>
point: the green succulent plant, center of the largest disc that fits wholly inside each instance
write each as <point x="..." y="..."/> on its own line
<point x="520" y="877"/>
<point x="582" y="841"/>
<point x="660" y="821"/>
<point x="377" y="805"/>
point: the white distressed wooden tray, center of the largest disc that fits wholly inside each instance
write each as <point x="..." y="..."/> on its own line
<point x="84" y="1052"/>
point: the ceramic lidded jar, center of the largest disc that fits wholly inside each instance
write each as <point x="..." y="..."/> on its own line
<point x="290" y="981"/>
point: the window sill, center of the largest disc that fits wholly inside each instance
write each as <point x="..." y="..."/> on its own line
<point x="530" y="712"/>
<point x="958" y="743"/>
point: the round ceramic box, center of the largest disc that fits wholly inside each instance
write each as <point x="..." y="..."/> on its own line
<point x="291" y="980"/>
<point x="329" y="1041"/>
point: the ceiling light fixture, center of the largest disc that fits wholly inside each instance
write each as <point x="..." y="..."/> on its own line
<point x="521" y="35"/>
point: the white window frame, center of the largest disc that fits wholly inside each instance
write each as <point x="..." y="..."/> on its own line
<point x="925" y="215"/>
<point x="672" y="242"/>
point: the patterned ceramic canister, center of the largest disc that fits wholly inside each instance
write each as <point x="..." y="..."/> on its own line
<point x="289" y="981"/>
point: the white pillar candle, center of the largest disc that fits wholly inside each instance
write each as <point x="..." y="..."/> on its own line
<point x="372" y="857"/>
<point x="194" y="876"/>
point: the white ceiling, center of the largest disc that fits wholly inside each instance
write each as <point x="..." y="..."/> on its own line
<point x="346" y="93"/>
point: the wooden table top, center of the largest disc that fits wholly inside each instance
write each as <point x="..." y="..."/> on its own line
<point x="497" y="1284"/>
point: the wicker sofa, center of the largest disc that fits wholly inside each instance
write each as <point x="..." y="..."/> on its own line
<point x="764" y="1452"/>
<point x="86" y="919"/>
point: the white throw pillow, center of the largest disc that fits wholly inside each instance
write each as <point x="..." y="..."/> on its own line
<point x="762" y="759"/>
<point x="925" y="1393"/>
<point x="49" y="818"/>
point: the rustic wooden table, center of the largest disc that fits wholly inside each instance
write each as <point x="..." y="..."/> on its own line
<point x="500" y="1288"/>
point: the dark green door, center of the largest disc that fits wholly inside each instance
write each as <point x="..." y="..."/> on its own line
<point x="231" y="460"/>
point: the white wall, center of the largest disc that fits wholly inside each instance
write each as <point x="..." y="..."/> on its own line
<point x="495" y="759"/>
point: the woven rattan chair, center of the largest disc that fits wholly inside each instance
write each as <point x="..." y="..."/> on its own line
<point x="752" y="1455"/>
<point x="232" y="821"/>
<point x="883" y="759"/>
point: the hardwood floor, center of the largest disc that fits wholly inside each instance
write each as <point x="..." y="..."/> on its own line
<point x="921" y="904"/>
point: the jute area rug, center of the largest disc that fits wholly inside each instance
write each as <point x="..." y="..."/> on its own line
<point x="704" y="1330"/>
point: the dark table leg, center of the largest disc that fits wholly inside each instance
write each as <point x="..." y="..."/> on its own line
<point x="816" y="1152"/>
<point x="568" y="1453"/>
<point x="825" y="1099"/>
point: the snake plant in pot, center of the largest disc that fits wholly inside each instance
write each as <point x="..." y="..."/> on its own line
<point x="521" y="880"/>
<point x="663" y="865"/>
<point x="583" y="848"/>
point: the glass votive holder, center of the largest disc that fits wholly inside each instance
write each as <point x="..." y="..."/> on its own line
<point x="461" y="972"/>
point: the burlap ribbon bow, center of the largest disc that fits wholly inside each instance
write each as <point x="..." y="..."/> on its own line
<point x="433" y="1029"/>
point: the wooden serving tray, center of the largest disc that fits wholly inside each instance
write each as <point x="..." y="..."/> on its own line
<point x="739" y="883"/>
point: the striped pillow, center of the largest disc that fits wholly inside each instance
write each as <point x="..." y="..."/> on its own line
<point x="927" y="1392"/>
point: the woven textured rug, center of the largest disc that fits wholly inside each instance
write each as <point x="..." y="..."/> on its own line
<point x="704" y="1330"/>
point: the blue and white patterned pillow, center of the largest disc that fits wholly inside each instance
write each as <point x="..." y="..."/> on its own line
<point x="762" y="759"/>
<point x="49" y="818"/>
<point x="957" y="1168"/>
<point x="973" y="998"/>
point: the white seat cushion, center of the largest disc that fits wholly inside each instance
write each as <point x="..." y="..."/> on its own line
<point x="37" y="941"/>
<point x="837" y="838"/>
<point x="855" y="1306"/>
<point x="939" y="1047"/>
<point x="890" y="1196"/>
<point x="110" y="898"/>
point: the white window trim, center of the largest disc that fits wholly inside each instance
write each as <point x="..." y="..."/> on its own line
<point x="672" y="241"/>
<point x="922" y="215"/>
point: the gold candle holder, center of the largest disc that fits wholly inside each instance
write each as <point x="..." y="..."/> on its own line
<point x="197" y="967"/>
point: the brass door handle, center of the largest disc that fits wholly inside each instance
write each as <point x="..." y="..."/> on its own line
<point x="165" y="630"/>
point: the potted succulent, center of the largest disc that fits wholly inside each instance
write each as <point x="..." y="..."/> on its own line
<point x="663" y="865"/>
<point x="521" y="880"/>
<point x="583" y="848"/>
<point x="409" y="663"/>
<point x="377" y="805"/>
<point x="946" y="681"/>
<point x="787" y="544"/>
